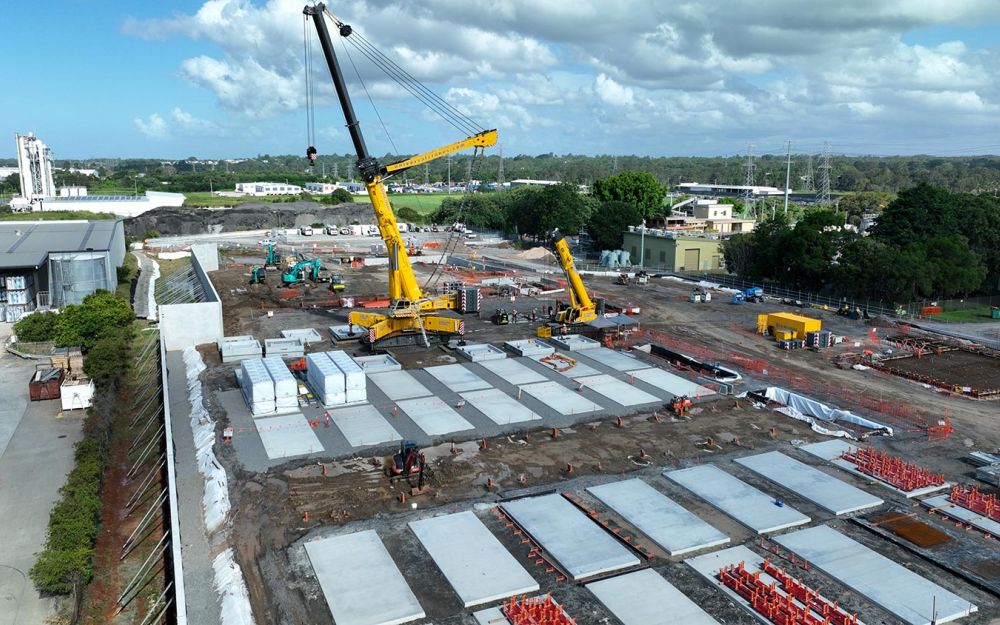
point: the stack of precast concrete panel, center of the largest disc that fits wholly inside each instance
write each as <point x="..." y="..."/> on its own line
<point x="258" y="387"/>
<point x="355" y="388"/>
<point x="239" y="348"/>
<point x="325" y="379"/>
<point x="286" y="389"/>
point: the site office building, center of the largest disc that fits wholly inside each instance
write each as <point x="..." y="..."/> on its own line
<point x="674" y="252"/>
<point x="55" y="263"/>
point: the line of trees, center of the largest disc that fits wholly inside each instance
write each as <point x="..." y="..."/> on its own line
<point x="927" y="243"/>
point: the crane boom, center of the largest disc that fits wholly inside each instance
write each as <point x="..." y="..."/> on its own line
<point x="582" y="308"/>
<point x="409" y="304"/>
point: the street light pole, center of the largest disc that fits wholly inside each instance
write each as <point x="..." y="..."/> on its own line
<point x="642" y="246"/>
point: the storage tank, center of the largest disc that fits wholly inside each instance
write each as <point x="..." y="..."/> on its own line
<point x="286" y="389"/>
<point x="605" y="254"/>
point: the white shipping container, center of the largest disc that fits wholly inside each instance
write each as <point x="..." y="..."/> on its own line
<point x="354" y="375"/>
<point x="258" y="387"/>
<point x="286" y="389"/>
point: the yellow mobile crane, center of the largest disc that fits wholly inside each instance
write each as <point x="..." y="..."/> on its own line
<point x="581" y="308"/>
<point x="410" y="317"/>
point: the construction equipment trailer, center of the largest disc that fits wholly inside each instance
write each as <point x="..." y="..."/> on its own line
<point x="414" y="316"/>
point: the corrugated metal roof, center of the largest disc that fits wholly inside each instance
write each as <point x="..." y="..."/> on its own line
<point x="28" y="243"/>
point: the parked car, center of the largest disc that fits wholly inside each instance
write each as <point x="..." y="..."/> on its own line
<point x="266" y="242"/>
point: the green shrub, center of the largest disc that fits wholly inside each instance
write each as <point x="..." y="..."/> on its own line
<point x="37" y="327"/>
<point x="341" y="196"/>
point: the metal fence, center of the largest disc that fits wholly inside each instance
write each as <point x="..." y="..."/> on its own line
<point x="965" y="303"/>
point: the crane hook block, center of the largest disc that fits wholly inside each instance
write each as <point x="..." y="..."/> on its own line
<point x="311" y="155"/>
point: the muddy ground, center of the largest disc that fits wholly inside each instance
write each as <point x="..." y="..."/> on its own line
<point x="269" y="508"/>
<point x="954" y="368"/>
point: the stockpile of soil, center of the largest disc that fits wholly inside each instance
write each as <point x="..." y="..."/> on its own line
<point x="248" y="216"/>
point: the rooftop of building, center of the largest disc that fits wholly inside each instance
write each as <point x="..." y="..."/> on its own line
<point x="28" y="243"/>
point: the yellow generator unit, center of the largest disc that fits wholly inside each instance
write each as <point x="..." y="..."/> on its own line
<point x="789" y="326"/>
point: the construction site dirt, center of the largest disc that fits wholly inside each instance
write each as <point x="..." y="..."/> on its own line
<point x="950" y="369"/>
<point x="276" y="511"/>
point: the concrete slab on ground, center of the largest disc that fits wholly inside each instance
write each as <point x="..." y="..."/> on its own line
<point x="363" y="425"/>
<point x="832" y="450"/>
<point x="736" y="498"/>
<point x="619" y="361"/>
<point x="657" y="516"/>
<point x="563" y="364"/>
<point x="500" y="407"/>
<point x="561" y="399"/>
<point x="479" y="352"/>
<point x="673" y="384"/>
<point x="347" y="332"/>
<point x="824" y="490"/>
<point x="942" y="504"/>
<point x="645" y="598"/>
<point x="574" y="342"/>
<point x="893" y="587"/>
<point x="529" y="347"/>
<point x="490" y="616"/>
<point x="710" y="564"/>
<point x="513" y="370"/>
<point x="579" y="546"/>
<point x="476" y="564"/>
<point x="377" y="363"/>
<point x="458" y="378"/>
<point x="618" y="391"/>
<point x="434" y="416"/>
<point x="288" y="435"/>
<point x="398" y="385"/>
<point x="374" y="593"/>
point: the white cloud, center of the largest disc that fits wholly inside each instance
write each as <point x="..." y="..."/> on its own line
<point x="610" y="92"/>
<point x="189" y="123"/>
<point x="154" y="126"/>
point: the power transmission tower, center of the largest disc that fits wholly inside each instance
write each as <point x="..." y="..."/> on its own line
<point x="614" y="165"/>
<point x="824" y="194"/>
<point x="427" y="174"/>
<point x="749" y="198"/>
<point x="810" y="176"/>
<point x="336" y="171"/>
<point x="500" y="179"/>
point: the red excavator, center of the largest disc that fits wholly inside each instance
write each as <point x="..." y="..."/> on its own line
<point x="409" y="461"/>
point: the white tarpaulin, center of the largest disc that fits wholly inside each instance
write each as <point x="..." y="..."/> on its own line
<point x="235" y="608"/>
<point x="216" y="498"/>
<point x="806" y="408"/>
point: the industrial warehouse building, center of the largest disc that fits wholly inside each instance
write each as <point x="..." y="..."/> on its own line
<point x="55" y="263"/>
<point x="673" y="252"/>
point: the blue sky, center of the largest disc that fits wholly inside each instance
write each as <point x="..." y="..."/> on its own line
<point x="224" y="78"/>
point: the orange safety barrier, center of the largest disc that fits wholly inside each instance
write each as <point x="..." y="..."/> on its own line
<point x="799" y="605"/>
<point x="892" y="469"/>
<point x="535" y="611"/>
<point x="970" y="497"/>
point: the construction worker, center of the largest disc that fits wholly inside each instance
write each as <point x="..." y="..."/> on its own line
<point x="681" y="405"/>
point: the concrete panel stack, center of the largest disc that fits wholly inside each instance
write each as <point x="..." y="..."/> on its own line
<point x="286" y="389"/>
<point x="238" y="348"/>
<point x="354" y="377"/>
<point x="258" y="387"/>
<point x="285" y="348"/>
<point x="325" y="379"/>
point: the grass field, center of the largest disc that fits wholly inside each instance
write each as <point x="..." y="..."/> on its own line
<point x="967" y="315"/>
<point x="423" y="203"/>
<point x="54" y="216"/>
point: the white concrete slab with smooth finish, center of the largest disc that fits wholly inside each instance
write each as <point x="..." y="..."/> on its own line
<point x="657" y="516"/>
<point x="458" y="378"/>
<point x="580" y="547"/>
<point x="477" y="566"/>
<point x="618" y="391"/>
<point x="363" y="425"/>
<point x="942" y="504"/>
<point x="710" y="564"/>
<point x="645" y="598"/>
<point x="824" y="490"/>
<point x="738" y="499"/>
<point x="561" y="399"/>
<point x="398" y="385"/>
<point x="832" y="450"/>
<point x="618" y="361"/>
<point x="434" y="416"/>
<point x="673" y="384"/>
<point x="895" y="588"/>
<point x="286" y="436"/>
<point x="374" y="593"/>
<point x="513" y="371"/>
<point x="500" y="407"/>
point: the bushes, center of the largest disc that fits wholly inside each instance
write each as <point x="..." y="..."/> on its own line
<point x="67" y="559"/>
<point x="37" y="327"/>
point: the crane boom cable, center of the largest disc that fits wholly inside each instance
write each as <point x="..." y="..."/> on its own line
<point x="406" y="80"/>
<point x="456" y="122"/>
<point x="307" y="62"/>
<point x="371" y="100"/>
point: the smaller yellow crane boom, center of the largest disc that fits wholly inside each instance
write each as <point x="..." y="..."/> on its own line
<point x="582" y="308"/>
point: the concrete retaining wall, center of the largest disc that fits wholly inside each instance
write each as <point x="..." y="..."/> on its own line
<point x="184" y="325"/>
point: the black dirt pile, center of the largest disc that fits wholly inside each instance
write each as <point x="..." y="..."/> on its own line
<point x="249" y="216"/>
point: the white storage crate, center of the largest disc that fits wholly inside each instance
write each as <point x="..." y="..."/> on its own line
<point x="354" y="375"/>
<point x="286" y="389"/>
<point x="258" y="387"/>
<point x="325" y="379"/>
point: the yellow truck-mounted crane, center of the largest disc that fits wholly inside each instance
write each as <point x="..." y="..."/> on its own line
<point x="410" y="317"/>
<point x="581" y="308"/>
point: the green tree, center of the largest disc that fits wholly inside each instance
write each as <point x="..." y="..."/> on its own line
<point x="408" y="215"/>
<point x="40" y="326"/>
<point x="537" y="211"/>
<point x="607" y="224"/>
<point x="101" y="314"/>
<point x="341" y="196"/>
<point x="639" y="188"/>
<point x="955" y="269"/>
<point x="107" y="358"/>
<point x="738" y="250"/>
